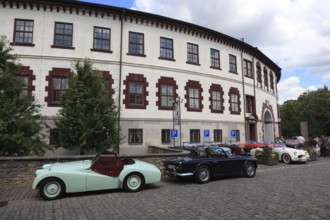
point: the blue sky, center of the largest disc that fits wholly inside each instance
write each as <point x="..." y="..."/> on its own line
<point x="294" y="34"/>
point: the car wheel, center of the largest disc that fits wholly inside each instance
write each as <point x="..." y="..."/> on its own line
<point x="203" y="174"/>
<point x="133" y="182"/>
<point x="286" y="158"/>
<point x="249" y="170"/>
<point x="51" y="188"/>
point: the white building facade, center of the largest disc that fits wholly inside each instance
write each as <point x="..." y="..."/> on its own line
<point x="218" y="83"/>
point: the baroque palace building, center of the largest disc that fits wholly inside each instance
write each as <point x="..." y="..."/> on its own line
<point x="220" y="88"/>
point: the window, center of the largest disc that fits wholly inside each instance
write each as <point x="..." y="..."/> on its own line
<point x="266" y="77"/>
<point x="215" y="58"/>
<point x="58" y="82"/>
<point x="216" y="98"/>
<point x="247" y="68"/>
<point x="135" y="136"/>
<point x="166" y="136"/>
<point x="259" y="74"/>
<point x="194" y="96"/>
<point x="136" y="44"/>
<point x="25" y="75"/>
<point x="192" y="53"/>
<point x="249" y="104"/>
<point x="166" y="48"/>
<point x="63" y="35"/>
<point x="271" y="80"/>
<point x="106" y="80"/>
<point x="136" y="91"/>
<point x="25" y="81"/>
<point x="23" y="32"/>
<point x="232" y="64"/>
<point x="195" y="135"/>
<point x="101" y="39"/>
<point x="166" y="93"/>
<point x="217" y="135"/>
<point x="53" y="136"/>
<point x="234" y="101"/>
<point x="167" y="96"/>
<point x="216" y="101"/>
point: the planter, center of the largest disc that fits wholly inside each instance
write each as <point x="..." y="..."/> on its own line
<point x="267" y="160"/>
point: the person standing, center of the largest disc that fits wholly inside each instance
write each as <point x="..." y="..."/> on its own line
<point x="323" y="144"/>
<point x="301" y="141"/>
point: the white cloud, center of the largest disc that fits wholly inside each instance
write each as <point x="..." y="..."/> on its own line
<point x="289" y="89"/>
<point x="294" y="34"/>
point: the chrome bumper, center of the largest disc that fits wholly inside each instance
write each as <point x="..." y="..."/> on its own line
<point x="174" y="173"/>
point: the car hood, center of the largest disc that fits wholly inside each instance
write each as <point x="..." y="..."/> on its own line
<point x="292" y="150"/>
<point x="177" y="160"/>
<point x="75" y="165"/>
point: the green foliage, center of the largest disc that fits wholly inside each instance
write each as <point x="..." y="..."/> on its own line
<point x="88" y="119"/>
<point x="266" y="151"/>
<point x="313" y="107"/>
<point x="20" y="121"/>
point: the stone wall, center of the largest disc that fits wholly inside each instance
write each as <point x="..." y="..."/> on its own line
<point x="20" y="170"/>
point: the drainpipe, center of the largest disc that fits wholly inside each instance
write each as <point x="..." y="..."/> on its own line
<point x="254" y="91"/>
<point x="120" y="69"/>
<point x="244" y="106"/>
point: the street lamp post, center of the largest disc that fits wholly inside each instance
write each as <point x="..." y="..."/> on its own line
<point x="177" y="117"/>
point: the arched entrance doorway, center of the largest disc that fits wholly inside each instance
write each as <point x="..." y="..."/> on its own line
<point x="268" y="127"/>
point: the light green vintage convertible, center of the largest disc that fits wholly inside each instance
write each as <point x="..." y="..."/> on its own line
<point x="103" y="172"/>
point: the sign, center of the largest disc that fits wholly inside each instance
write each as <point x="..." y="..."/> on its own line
<point x="174" y="133"/>
<point x="206" y="133"/>
<point x="233" y="133"/>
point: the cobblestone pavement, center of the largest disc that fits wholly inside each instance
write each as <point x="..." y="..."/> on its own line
<point x="294" y="191"/>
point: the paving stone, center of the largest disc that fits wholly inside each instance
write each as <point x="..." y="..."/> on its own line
<point x="294" y="191"/>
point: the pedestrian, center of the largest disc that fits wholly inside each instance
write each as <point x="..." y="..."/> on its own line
<point x="301" y="141"/>
<point x="323" y="144"/>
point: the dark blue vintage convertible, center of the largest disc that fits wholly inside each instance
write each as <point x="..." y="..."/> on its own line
<point x="204" y="163"/>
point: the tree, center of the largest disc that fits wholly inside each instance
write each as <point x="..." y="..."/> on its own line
<point x="311" y="106"/>
<point x="88" y="119"/>
<point x="20" y="121"/>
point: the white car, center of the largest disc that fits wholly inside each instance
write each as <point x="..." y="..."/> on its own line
<point x="287" y="154"/>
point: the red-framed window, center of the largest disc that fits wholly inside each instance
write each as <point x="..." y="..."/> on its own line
<point x="58" y="82"/>
<point x="135" y="92"/>
<point x="216" y="98"/>
<point x="234" y="101"/>
<point x="194" y="96"/>
<point x="27" y="78"/>
<point x="166" y="93"/>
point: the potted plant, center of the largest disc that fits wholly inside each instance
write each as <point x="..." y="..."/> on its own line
<point x="266" y="156"/>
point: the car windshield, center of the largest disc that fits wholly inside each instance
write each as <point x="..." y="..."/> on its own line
<point x="217" y="151"/>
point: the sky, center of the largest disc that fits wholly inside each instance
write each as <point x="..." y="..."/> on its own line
<point x="295" y="34"/>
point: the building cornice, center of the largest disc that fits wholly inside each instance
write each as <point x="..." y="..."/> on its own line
<point x="133" y="16"/>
